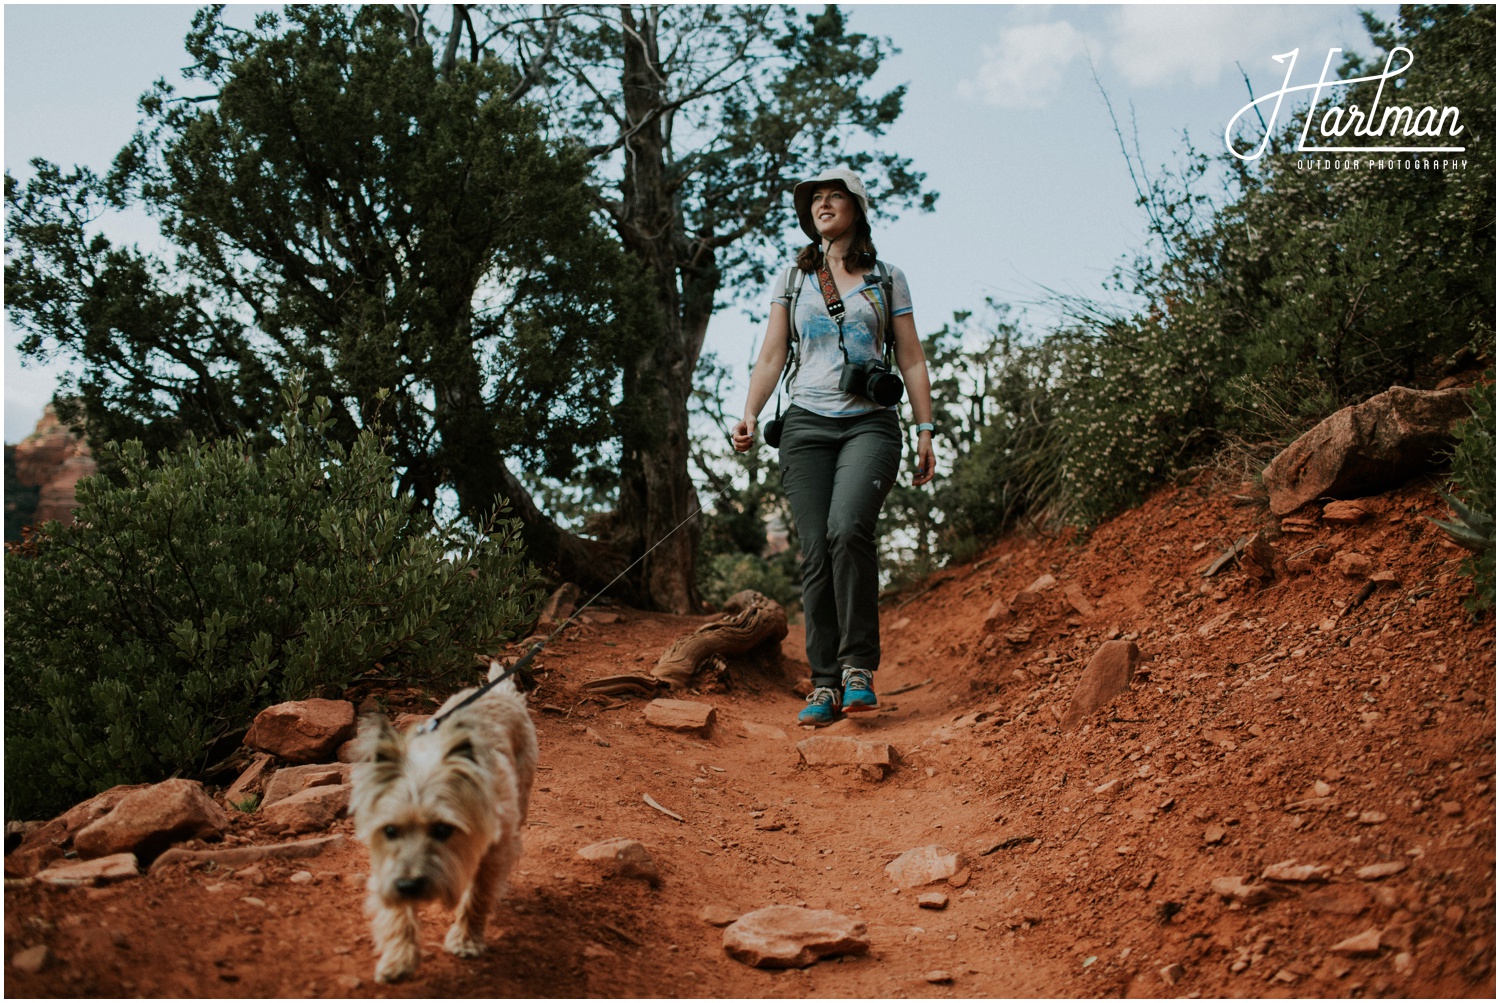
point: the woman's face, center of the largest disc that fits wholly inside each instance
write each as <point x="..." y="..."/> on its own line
<point x="833" y="211"/>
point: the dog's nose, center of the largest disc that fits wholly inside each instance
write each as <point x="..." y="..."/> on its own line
<point x="411" y="888"/>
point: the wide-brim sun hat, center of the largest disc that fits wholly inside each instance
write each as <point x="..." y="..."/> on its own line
<point x="802" y="196"/>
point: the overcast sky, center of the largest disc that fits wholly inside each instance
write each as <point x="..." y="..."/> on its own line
<point x="1002" y="113"/>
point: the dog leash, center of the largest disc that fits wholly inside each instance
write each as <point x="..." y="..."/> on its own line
<point x="525" y="660"/>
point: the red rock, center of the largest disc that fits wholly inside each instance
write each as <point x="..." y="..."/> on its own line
<point x="626" y="858"/>
<point x="718" y="915"/>
<point x="932" y="900"/>
<point x="241" y="856"/>
<point x="1258" y="559"/>
<point x="1345" y="513"/>
<point x="251" y="781"/>
<point x="1290" y="870"/>
<point x="997" y="616"/>
<point x="310" y="810"/>
<point x="55" y="460"/>
<point x="32" y="960"/>
<point x="1042" y="584"/>
<point x="303" y="731"/>
<point x="1235" y="889"/>
<point x="1361" y="944"/>
<point x="681" y="715"/>
<point x="840" y="750"/>
<point x="146" y="821"/>
<point x="1367" y="448"/>
<point x="1351" y="564"/>
<point x="291" y="779"/>
<point x="347" y="752"/>
<point x="923" y="865"/>
<point x="1374" y="872"/>
<point x="1075" y="598"/>
<point x="115" y="867"/>
<point x="784" y="936"/>
<point x="1107" y="676"/>
<point x="50" y="841"/>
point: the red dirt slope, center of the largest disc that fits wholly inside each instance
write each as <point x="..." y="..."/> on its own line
<point x="1265" y="725"/>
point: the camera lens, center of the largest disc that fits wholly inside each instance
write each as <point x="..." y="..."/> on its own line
<point x="885" y="389"/>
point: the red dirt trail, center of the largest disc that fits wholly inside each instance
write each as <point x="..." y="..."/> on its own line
<point x="1264" y="725"/>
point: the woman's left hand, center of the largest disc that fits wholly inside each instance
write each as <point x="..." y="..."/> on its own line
<point x="926" y="460"/>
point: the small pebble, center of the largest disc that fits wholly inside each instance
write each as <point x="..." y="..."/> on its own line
<point x="31" y="960"/>
<point x="939" y="976"/>
<point x="301" y="878"/>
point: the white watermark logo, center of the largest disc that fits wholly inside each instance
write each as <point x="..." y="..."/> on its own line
<point x="1393" y="122"/>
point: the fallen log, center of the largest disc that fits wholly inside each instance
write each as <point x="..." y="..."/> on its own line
<point x="752" y="620"/>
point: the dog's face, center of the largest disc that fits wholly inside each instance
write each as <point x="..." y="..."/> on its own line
<point x="422" y="804"/>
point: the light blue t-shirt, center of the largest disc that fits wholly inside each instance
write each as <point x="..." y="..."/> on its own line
<point x="814" y="383"/>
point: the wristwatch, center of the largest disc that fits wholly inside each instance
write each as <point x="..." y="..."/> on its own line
<point x="925" y="426"/>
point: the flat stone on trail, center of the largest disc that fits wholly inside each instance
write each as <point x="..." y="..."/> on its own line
<point x="1290" y="870"/>
<point x="1235" y="889"/>
<point x="101" y="871"/>
<point x="1353" y="565"/>
<point x="754" y="729"/>
<point x="1361" y="944"/>
<point x="1075" y="597"/>
<point x="302" y="731"/>
<point x="923" y="865"/>
<point x="681" y="715"/>
<point x="715" y="914"/>
<point x="932" y="900"/>
<point x="938" y="976"/>
<point x="785" y="936"/>
<point x="1108" y="675"/>
<point x="841" y="750"/>
<point x="1374" y="872"/>
<point x="144" y="822"/>
<point x="290" y="780"/>
<point x="626" y="858"/>
<point x="310" y="810"/>
<point x="32" y="960"/>
<point x="242" y="856"/>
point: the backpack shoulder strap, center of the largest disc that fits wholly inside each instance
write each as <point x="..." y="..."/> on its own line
<point x="793" y="282"/>
<point x="887" y="295"/>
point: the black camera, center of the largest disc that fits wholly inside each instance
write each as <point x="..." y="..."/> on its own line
<point x="872" y="379"/>
<point x="772" y="433"/>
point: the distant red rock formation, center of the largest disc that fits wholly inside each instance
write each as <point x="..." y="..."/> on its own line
<point x="54" y="459"/>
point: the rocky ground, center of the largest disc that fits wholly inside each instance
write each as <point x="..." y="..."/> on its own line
<point x="1295" y="798"/>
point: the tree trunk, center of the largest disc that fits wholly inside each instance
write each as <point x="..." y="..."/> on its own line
<point x="656" y="493"/>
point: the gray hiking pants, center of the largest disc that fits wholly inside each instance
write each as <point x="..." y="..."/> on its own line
<point x="837" y="472"/>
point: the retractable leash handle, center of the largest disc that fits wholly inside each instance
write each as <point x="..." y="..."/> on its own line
<point x="432" y="723"/>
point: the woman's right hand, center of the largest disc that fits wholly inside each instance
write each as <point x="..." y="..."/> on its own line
<point x="743" y="436"/>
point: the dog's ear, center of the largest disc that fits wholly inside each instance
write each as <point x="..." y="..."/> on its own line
<point x="377" y="741"/>
<point x="462" y="749"/>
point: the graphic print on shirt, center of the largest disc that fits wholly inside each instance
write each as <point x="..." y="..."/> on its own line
<point x="815" y="383"/>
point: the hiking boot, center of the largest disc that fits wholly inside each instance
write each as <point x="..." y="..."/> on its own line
<point x="859" y="691"/>
<point x="822" y="707"/>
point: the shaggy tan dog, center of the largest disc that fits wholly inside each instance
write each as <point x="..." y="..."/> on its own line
<point x="441" y="811"/>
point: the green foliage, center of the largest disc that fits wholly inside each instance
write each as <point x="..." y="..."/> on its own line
<point x="337" y="203"/>
<point x="1474" y="475"/>
<point x="724" y="574"/>
<point x="247" y="804"/>
<point x="20" y="499"/>
<point x="196" y="591"/>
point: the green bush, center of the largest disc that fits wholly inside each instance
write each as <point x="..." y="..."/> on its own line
<point x="191" y="594"/>
<point x="1474" y="475"/>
